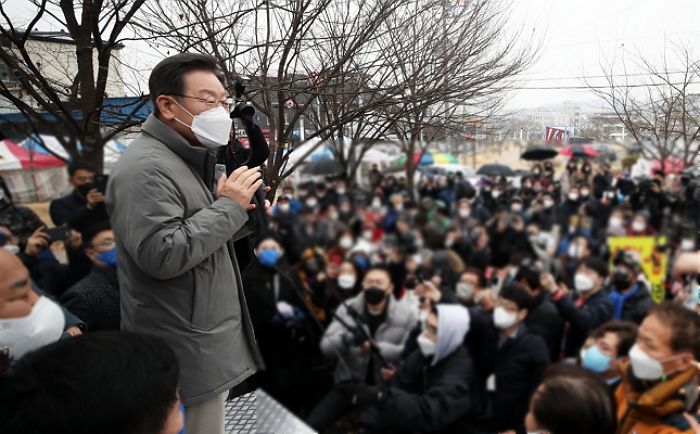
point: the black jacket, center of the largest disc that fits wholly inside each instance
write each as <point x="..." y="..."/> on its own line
<point x="446" y="398"/>
<point x="595" y="311"/>
<point x="73" y="211"/>
<point x="544" y="320"/>
<point x="95" y="300"/>
<point x="518" y="368"/>
<point x="636" y="307"/>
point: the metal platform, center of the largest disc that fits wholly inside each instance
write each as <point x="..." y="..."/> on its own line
<point x="258" y="413"/>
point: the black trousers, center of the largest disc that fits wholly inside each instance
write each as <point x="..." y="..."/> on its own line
<point x="330" y="409"/>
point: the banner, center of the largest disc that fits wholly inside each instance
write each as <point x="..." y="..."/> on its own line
<point x="554" y="136"/>
<point x="654" y="261"/>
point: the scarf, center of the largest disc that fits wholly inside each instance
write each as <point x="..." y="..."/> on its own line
<point x="619" y="300"/>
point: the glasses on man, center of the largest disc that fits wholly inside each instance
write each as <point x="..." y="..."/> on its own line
<point x="209" y="102"/>
<point x="107" y="243"/>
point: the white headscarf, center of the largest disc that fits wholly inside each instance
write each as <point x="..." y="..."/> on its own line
<point x="453" y="325"/>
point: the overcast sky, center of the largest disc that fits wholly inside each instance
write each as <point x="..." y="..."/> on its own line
<point x="576" y="36"/>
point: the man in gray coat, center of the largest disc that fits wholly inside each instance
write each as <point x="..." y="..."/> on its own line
<point x="175" y="226"/>
<point x="385" y="320"/>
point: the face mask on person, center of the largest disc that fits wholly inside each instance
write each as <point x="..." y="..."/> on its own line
<point x="341" y="191"/>
<point x="574" y="251"/>
<point x="585" y="192"/>
<point x="615" y="223"/>
<point x="311" y="203"/>
<point x="269" y="257"/>
<point x="374" y="295"/>
<point x="362" y="262"/>
<point x="12" y="249"/>
<point x="212" y="128"/>
<point x="376" y="203"/>
<point x="573" y="197"/>
<point x="496" y="194"/>
<point x="583" y="283"/>
<point x="398" y="207"/>
<point x="43" y="325"/>
<point x="426" y="345"/>
<point x="621" y="279"/>
<point x="516" y="207"/>
<point x="345" y="243"/>
<point x="503" y="319"/>
<point x="347" y="281"/>
<point x="284" y="207"/>
<point x="109" y="258"/>
<point x="464" y="212"/>
<point x="594" y="360"/>
<point x="639" y="226"/>
<point x="464" y="290"/>
<point x="645" y="367"/>
<point x="687" y="245"/>
<point x="548" y="204"/>
<point x="367" y="235"/>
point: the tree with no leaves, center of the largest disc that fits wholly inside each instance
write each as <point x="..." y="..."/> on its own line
<point x="74" y="102"/>
<point x="659" y="106"/>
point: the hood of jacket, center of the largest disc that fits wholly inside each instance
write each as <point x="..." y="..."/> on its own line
<point x="453" y="325"/>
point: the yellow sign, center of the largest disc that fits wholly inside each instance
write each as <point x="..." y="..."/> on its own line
<point x="654" y="260"/>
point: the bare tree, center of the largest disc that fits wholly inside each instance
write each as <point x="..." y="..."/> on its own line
<point x="657" y="107"/>
<point x="73" y="96"/>
<point x="454" y="64"/>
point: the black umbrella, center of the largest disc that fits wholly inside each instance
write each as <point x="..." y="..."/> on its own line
<point x="323" y="167"/>
<point x="538" y="153"/>
<point x="495" y="170"/>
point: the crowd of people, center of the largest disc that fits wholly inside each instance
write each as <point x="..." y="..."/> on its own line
<point x="486" y="305"/>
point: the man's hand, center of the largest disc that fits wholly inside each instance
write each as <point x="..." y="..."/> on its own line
<point x="240" y="186"/>
<point x="74" y="331"/>
<point x="94" y="198"/>
<point x="37" y="242"/>
<point x="429" y="291"/>
<point x="388" y="373"/>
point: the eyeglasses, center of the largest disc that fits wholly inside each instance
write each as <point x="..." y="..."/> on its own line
<point x="108" y="243"/>
<point x="209" y="102"/>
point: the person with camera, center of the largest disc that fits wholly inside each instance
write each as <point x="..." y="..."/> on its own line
<point x="174" y="224"/>
<point x="367" y="333"/>
<point x="85" y="204"/>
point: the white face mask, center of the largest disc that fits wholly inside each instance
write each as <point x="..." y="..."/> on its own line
<point x="503" y="318"/>
<point x="367" y="235"/>
<point x="495" y="194"/>
<point x="376" y="204"/>
<point x="583" y="283"/>
<point x="212" y="128"/>
<point x="398" y="207"/>
<point x="284" y="207"/>
<point x="311" y="203"/>
<point x="347" y="281"/>
<point x="345" y="242"/>
<point x="464" y="212"/>
<point x="645" y="367"/>
<point x="340" y="191"/>
<point x="687" y="245"/>
<point x="43" y="325"/>
<point x="573" y="197"/>
<point x="574" y="252"/>
<point x="548" y="204"/>
<point x="427" y="346"/>
<point x="638" y="226"/>
<point x="11" y="248"/>
<point x="615" y="223"/>
<point x="516" y="207"/>
<point x="464" y="290"/>
<point x="585" y="193"/>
